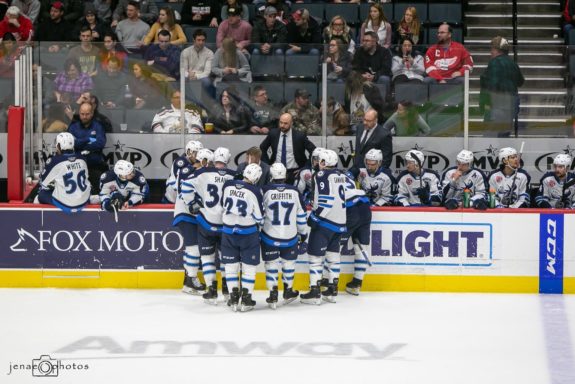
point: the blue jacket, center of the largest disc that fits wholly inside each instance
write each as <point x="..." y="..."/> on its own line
<point x="92" y="139"/>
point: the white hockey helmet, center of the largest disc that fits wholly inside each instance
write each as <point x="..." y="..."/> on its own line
<point x="465" y="157"/>
<point x="193" y="146"/>
<point x="329" y="157"/>
<point x="205" y="154"/>
<point x="316" y="152"/>
<point x="563" y="159"/>
<point x="123" y="169"/>
<point x="374" y="155"/>
<point x="278" y="171"/>
<point x="65" y="140"/>
<point x="222" y="155"/>
<point x="416" y="156"/>
<point x="253" y="172"/>
<point x="504" y="153"/>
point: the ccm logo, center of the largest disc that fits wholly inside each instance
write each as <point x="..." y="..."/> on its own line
<point x="551" y="246"/>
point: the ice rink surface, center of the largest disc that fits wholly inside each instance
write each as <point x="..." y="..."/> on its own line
<point x="164" y="337"/>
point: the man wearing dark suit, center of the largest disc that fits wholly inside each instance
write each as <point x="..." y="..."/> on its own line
<point x="288" y="147"/>
<point x="371" y="135"/>
<point x="253" y="156"/>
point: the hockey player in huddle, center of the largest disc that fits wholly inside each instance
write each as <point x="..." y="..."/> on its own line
<point x="510" y="182"/>
<point x="327" y="222"/>
<point x="457" y="179"/>
<point x="123" y="187"/>
<point x="242" y="214"/>
<point x="303" y="183"/>
<point x="203" y="191"/>
<point x="557" y="188"/>
<point x="64" y="180"/>
<point x="284" y="222"/>
<point x="189" y="158"/>
<point x="417" y="186"/>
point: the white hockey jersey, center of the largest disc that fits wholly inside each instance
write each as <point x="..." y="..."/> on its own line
<point x="242" y="208"/>
<point x="168" y="121"/>
<point x="67" y="175"/>
<point x="551" y="190"/>
<point x="378" y="187"/>
<point x="408" y="184"/>
<point x="304" y="183"/>
<point x="474" y="180"/>
<point x="134" y="191"/>
<point x="517" y="196"/>
<point x="329" y="200"/>
<point x="284" y="215"/>
<point x="182" y="211"/>
<point x="172" y="181"/>
<point x="204" y="188"/>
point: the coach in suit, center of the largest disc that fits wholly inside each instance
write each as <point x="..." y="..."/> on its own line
<point x="371" y="135"/>
<point x="253" y="156"/>
<point x="288" y="146"/>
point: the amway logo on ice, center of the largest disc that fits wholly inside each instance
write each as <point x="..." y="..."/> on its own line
<point x="99" y="241"/>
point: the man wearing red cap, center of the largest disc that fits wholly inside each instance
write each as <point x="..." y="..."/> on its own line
<point x="55" y="28"/>
<point x="304" y="34"/>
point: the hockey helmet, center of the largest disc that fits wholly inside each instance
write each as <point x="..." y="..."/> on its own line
<point x="193" y="146"/>
<point x="374" y="155"/>
<point x="222" y="155"/>
<point x="205" y="154"/>
<point x="416" y="156"/>
<point x="123" y="169"/>
<point x="65" y="140"/>
<point x="316" y="152"/>
<point x="504" y="153"/>
<point x="563" y="159"/>
<point x="465" y="157"/>
<point x="329" y="157"/>
<point x="252" y="173"/>
<point x="278" y="171"/>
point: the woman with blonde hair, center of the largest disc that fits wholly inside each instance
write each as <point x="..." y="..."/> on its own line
<point x="377" y="22"/>
<point x="338" y="28"/>
<point x="410" y="26"/>
<point x="166" y="21"/>
<point x="230" y="64"/>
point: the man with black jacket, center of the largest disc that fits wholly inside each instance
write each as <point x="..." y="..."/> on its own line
<point x="373" y="61"/>
<point x="303" y="34"/>
<point x="269" y="35"/>
<point x="55" y="28"/>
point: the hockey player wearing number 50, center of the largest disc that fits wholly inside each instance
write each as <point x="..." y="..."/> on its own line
<point x="456" y="181"/>
<point x="123" y="188"/>
<point x="416" y="185"/>
<point x="242" y="215"/>
<point x="510" y="182"/>
<point x="64" y="181"/>
<point x="557" y="188"/>
<point x="327" y="222"/>
<point x="284" y="227"/>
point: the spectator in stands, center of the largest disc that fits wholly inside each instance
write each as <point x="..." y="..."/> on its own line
<point x="281" y="6"/>
<point x="229" y="116"/>
<point x="147" y="10"/>
<point x="407" y="65"/>
<point x="235" y="4"/>
<point x="164" y="56"/>
<point x="406" y="121"/>
<point x="377" y="22"/>
<point x="230" y="64"/>
<point x="370" y="134"/>
<point x="17" y="24"/>
<point x="338" y="60"/>
<point x="103" y="10"/>
<point x="92" y="21"/>
<point x="55" y="28"/>
<point x="197" y="61"/>
<point x="72" y="10"/>
<point x="305" y="116"/>
<point x="288" y="146"/>
<point x="145" y="90"/>
<point x="373" y="61"/>
<point x="339" y="29"/>
<point x="361" y="95"/>
<point x="166" y="21"/>
<point x="499" y="95"/>
<point x="110" y="84"/>
<point x="254" y="156"/>
<point x="28" y="8"/>
<point x="410" y="26"/>
<point x="168" y="119"/>
<point x="9" y="52"/>
<point x="263" y="114"/>
<point x="132" y="30"/>
<point x="71" y="82"/>
<point x="269" y="35"/>
<point x="447" y="61"/>
<point x="112" y="48"/>
<point x="237" y="29"/>
<point x="201" y="13"/>
<point x="86" y="53"/>
<point x="304" y="34"/>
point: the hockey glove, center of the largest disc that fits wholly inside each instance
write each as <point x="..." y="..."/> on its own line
<point x="117" y="200"/>
<point x="451" y="204"/>
<point x="423" y="194"/>
<point x="107" y="206"/>
<point x="480" y="204"/>
<point x="560" y="204"/>
<point x="546" y="204"/>
<point x="506" y="201"/>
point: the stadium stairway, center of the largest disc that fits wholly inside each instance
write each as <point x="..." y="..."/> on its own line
<point x="540" y="54"/>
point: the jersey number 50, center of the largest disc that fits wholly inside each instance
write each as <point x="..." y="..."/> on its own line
<point x="72" y="184"/>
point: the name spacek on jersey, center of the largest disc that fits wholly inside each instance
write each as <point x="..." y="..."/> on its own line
<point x="328" y="208"/>
<point x="551" y="190"/>
<point x="502" y="185"/>
<point x="67" y="174"/>
<point x="284" y="215"/>
<point x="474" y="180"/>
<point x="378" y="187"/>
<point x="172" y="180"/>
<point x="134" y="191"/>
<point x="242" y="208"/>
<point x="408" y="184"/>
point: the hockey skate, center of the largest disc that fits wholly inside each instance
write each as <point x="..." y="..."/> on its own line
<point x="312" y="297"/>
<point x="247" y="303"/>
<point x="323" y="284"/>
<point x="289" y="295"/>
<point x="330" y="293"/>
<point x="273" y="299"/>
<point x="353" y="287"/>
<point x="234" y="299"/>
<point x="211" y="296"/>
<point x="225" y="290"/>
<point x="193" y="286"/>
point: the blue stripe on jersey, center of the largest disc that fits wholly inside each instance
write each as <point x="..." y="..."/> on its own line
<point x="182" y="217"/>
<point x="206" y="224"/>
<point x="327" y="197"/>
<point x="244" y="280"/>
<point x="356" y="200"/>
<point x="67" y="208"/>
<point x="171" y="183"/>
<point x="231" y="278"/>
<point x="324" y="223"/>
<point x="278" y="243"/>
<point x="239" y="230"/>
<point x="325" y="205"/>
<point x="302" y="215"/>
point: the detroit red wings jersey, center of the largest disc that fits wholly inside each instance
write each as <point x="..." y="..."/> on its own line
<point x="441" y="63"/>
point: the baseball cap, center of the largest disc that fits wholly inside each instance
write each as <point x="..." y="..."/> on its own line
<point x="270" y="11"/>
<point x="302" y="93"/>
<point x="234" y="11"/>
<point x="89" y="8"/>
<point x="58" y="5"/>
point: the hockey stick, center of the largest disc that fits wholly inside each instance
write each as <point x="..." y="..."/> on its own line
<point x="115" y="212"/>
<point x="420" y="165"/>
<point x="510" y="192"/>
<point x="363" y="253"/>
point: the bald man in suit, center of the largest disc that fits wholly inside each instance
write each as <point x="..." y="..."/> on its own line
<point x="370" y="135"/>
